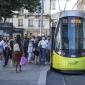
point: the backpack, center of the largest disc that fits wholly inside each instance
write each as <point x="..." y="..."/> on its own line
<point x="16" y="47"/>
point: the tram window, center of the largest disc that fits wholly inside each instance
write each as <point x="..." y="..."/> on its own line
<point x="64" y="20"/>
<point x="58" y="38"/>
<point x="79" y="36"/>
<point x="84" y="35"/>
<point x="65" y="43"/>
<point x="70" y="37"/>
<point x="64" y="34"/>
<point x="57" y="41"/>
<point x="64" y="30"/>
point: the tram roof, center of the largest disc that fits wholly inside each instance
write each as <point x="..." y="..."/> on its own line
<point x="75" y="13"/>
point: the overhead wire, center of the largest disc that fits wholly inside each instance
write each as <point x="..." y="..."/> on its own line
<point x="76" y="4"/>
<point x="59" y="6"/>
<point x="65" y="4"/>
<point x="64" y="7"/>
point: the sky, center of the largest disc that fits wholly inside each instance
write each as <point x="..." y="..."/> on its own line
<point x="69" y="5"/>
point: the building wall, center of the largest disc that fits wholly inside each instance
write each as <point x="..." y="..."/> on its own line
<point x="25" y="16"/>
<point x="15" y="21"/>
<point x="47" y="7"/>
<point x="53" y="6"/>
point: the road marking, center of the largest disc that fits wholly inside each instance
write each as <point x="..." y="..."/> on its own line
<point x="43" y="75"/>
<point x="64" y="81"/>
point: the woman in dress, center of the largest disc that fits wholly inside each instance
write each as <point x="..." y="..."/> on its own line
<point x="17" y="48"/>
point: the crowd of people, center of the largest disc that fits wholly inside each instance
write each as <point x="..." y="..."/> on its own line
<point x="36" y="50"/>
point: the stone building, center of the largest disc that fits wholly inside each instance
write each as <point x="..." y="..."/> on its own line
<point x="31" y="21"/>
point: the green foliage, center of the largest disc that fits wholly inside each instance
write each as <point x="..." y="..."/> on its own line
<point x="8" y="6"/>
<point x="31" y="5"/>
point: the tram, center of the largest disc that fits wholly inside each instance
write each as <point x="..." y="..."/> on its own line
<point x="68" y="42"/>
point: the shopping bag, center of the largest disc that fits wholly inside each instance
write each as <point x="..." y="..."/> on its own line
<point x="23" y="60"/>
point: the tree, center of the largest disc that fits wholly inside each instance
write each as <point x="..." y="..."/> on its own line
<point x="31" y="5"/>
<point x="7" y="7"/>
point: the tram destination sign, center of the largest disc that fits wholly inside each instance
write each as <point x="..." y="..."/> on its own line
<point x="72" y="21"/>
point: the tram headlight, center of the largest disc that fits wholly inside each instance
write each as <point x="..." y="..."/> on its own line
<point x="60" y="52"/>
<point x="73" y="56"/>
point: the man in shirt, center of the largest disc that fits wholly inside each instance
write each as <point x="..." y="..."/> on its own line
<point x="43" y="45"/>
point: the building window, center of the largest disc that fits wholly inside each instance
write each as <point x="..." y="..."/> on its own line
<point x="53" y="4"/>
<point x="20" y="22"/>
<point x="30" y="22"/>
<point x="39" y="23"/>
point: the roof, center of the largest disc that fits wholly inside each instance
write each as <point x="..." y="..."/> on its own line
<point x="76" y="13"/>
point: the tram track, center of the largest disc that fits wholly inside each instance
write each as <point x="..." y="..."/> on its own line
<point x="64" y="79"/>
<point x="83" y="76"/>
<point x="74" y="80"/>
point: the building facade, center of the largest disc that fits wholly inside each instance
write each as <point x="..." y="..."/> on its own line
<point x="81" y="5"/>
<point x="31" y="21"/>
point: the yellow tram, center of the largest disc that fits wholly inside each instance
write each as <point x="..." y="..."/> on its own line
<point x="68" y="42"/>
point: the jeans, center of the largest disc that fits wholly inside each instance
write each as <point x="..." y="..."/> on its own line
<point x="42" y="55"/>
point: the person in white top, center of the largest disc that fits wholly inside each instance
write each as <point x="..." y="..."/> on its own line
<point x="30" y="51"/>
<point x="42" y="45"/>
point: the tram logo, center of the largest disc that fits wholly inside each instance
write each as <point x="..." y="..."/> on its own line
<point x="73" y="62"/>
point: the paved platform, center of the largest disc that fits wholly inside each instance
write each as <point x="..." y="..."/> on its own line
<point x="31" y="75"/>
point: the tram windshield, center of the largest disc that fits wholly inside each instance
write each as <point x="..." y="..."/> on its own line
<point x="72" y="37"/>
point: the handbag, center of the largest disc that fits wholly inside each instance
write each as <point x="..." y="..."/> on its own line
<point x="23" y="60"/>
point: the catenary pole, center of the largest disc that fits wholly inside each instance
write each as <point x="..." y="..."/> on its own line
<point x="41" y="17"/>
